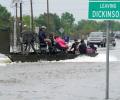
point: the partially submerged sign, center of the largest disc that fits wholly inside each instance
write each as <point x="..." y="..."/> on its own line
<point x="104" y="9"/>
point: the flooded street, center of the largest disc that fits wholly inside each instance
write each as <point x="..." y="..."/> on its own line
<point x="43" y="54"/>
<point x="82" y="78"/>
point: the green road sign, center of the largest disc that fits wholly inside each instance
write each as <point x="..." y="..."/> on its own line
<point x="104" y="0"/>
<point x="104" y="10"/>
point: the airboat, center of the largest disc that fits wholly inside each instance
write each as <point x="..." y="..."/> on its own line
<point x="18" y="49"/>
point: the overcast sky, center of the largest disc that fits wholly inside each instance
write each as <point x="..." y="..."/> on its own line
<point x="79" y="8"/>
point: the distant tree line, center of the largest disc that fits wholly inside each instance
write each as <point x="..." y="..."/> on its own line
<point x="4" y="29"/>
<point x="65" y="21"/>
<point x="4" y="18"/>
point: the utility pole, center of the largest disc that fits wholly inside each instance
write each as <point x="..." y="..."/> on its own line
<point x="15" y="30"/>
<point x="21" y="17"/>
<point x="48" y="19"/>
<point x="21" y="26"/>
<point x="31" y="19"/>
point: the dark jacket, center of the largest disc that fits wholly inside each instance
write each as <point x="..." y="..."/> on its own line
<point x="82" y="48"/>
<point x="28" y="37"/>
<point x="42" y="36"/>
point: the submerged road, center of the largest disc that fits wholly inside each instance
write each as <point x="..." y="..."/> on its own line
<point x="82" y="78"/>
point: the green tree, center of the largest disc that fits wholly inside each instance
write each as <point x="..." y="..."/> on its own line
<point x="26" y="21"/>
<point x="41" y="20"/>
<point x="86" y="26"/>
<point x="102" y="25"/>
<point x="4" y="18"/>
<point x="54" y="21"/>
<point x="4" y="29"/>
<point x="114" y="25"/>
<point x="67" y="22"/>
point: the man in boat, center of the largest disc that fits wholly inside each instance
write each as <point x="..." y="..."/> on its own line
<point x="42" y="37"/>
<point x="74" y="46"/>
<point x="28" y="40"/>
<point x="82" y="47"/>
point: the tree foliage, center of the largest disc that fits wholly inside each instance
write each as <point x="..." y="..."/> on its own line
<point x="4" y="18"/>
<point x="67" y="22"/>
<point x="26" y="20"/>
<point x="54" y="21"/>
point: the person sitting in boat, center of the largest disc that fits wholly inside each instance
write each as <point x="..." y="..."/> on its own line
<point x="74" y="46"/>
<point x="82" y="47"/>
<point x="91" y="49"/>
<point x="60" y="43"/>
<point x="42" y="36"/>
<point x="66" y="38"/>
<point x="51" y="43"/>
<point x="51" y="37"/>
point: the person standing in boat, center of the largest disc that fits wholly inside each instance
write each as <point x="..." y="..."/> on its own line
<point x="42" y="36"/>
<point x="27" y="39"/>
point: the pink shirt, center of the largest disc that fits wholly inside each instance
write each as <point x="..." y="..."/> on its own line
<point x="61" y="42"/>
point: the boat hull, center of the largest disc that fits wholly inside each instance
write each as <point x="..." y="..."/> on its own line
<point x="33" y="57"/>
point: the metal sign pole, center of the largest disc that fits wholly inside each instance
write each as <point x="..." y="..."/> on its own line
<point x="107" y="63"/>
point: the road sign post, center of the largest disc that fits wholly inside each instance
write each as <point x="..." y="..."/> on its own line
<point x="61" y="30"/>
<point x="107" y="63"/>
<point x="107" y="10"/>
